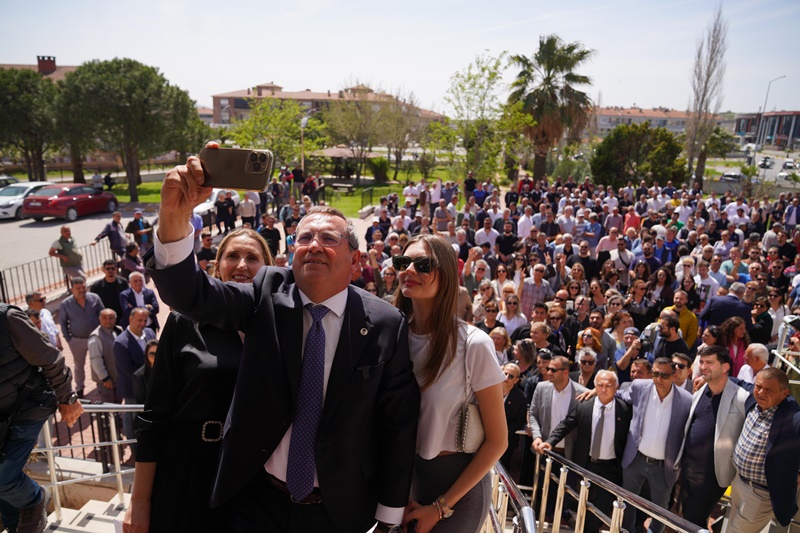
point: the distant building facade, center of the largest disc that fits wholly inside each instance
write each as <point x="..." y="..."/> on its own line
<point x="780" y="129"/>
<point x="234" y="106"/>
<point x="606" y="119"/>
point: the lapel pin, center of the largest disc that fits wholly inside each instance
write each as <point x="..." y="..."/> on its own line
<point x="364" y="331"/>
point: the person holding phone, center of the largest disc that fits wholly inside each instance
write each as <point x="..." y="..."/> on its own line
<point x="320" y="433"/>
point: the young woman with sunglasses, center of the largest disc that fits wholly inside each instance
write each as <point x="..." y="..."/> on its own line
<point x="512" y="317"/>
<point x="761" y="330"/>
<point x="485" y="296"/>
<point x="777" y="310"/>
<point x="639" y="307"/>
<point x="578" y="274"/>
<point x="518" y="263"/>
<point x="490" y="320"/>
<point x="451" y="491"/>
<point x="501" y="277"/>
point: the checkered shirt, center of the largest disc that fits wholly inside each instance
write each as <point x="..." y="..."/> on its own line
<point x="751" y="448"/>
<point x="531" y="294"/>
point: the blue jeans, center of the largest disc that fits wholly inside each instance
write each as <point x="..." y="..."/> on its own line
<point x="18" y="491"/>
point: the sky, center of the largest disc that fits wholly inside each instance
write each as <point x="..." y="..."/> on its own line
<point x="643" y="49"/>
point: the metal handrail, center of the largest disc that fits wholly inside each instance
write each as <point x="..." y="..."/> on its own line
<point x="524" y="518"/>
<point x="46" y="275"/>
<point x="623" y="496"/>
<point x="114" y="444"/>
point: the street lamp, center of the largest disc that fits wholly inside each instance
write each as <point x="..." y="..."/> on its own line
<point x="762" y="134"/>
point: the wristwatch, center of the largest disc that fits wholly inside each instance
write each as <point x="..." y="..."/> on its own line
<point x="72" y="399"/>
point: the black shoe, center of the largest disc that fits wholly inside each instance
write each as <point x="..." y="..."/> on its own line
<point x="33" y="519"/>
<point x="79" y="392"/>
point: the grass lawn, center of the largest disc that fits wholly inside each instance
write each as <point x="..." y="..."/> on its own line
<point x="149" y="192"/>
<point x="350" y="204"/>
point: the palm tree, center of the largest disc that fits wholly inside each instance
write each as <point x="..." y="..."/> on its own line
<point x="546" y="86"/>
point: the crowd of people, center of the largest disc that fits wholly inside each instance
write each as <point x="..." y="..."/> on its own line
<point x="628" y="331"/>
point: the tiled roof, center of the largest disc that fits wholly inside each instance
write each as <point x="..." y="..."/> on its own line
<point x="57" y="75"/>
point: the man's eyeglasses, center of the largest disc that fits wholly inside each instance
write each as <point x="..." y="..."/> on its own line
<point x="328" y="239"/>
<point x="662" y="375"/>
<point x="680" y="366"/>
<point x="490" y="309"/>
<point x="422" y="265"/>
<point x="551" y="370"/>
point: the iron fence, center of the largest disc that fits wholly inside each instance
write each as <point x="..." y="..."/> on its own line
<point x="45" y="275"/>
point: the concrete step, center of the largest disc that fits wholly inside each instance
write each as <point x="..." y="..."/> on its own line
<point x="94" y="517"/>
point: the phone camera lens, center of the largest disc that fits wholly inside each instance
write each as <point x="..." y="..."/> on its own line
<point x="262" y="157"/>
<point x="256" y="166"/>
<point x="253" y="156"/>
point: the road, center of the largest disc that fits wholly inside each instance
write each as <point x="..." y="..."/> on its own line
<point x="23" y="241"/>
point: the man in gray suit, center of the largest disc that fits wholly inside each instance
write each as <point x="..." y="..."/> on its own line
<point x="714" y="424"/>
<point x="552" y="401"/>
<point x="660" y="411"/>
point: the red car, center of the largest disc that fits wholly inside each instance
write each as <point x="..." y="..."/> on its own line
<point x="68" y="201"/>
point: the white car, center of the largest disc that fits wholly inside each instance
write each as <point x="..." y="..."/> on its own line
<point x="789" y="164"/>
<point x="11" y="197"/>
<point x="208" y="206"/>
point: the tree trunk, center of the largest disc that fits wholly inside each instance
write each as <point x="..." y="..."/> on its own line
<point x="539" y="166"/>
<point x="130" y="160"/>
<point x="77" y="163"/>
<point x="398" y="156"/>
<point x="700" y="169"/>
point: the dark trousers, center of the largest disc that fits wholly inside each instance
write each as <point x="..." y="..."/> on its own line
<point x="699" y="496"/>
<point x="17" y="490"/>
<point x="601" y="498"/>
<point x="262" y="507"/>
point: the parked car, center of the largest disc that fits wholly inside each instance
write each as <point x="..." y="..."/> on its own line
<point x="7" y="180"/>
<point x="67" y="201"/>
<point x="789" y="164"/>
<point x="785" y="179"/>
<point x="766" y="162"/>
<point x="11" y="197"/>
<point x="207" y="207"/>
<point x="731" y="175"/>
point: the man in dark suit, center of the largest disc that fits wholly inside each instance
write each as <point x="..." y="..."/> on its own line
<point x="516" y="411"/>
<point x="129" y="356"/>
<point x="602" y="425"/>
<point x="660" y="410"/>
<point x="766" y="456"/>
<point x="137" y="295"/>
<point x="722" y="308"/>
<point x="335" y="459"/>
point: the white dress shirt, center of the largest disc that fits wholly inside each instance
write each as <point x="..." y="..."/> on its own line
<point x="655" y="426"/>
<point x="607" y="445"/>
<point x="559" y="408"/>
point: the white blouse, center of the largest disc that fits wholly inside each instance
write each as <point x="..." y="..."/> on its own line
<point x="442" y="401"/>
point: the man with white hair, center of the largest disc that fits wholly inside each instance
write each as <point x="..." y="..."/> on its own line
<point x="566" y="222"/>
<point x="137" y="295"/>
<point x="755" y="357"/>
<point x="525" y="222"/>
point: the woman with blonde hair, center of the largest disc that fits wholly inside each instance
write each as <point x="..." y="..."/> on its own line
<point x="190" y="389"/>
<point x="502" y="342"/>
<point x="485" y="296"/>
<point x="451" y="490"/>
<point x="512" y="317"/>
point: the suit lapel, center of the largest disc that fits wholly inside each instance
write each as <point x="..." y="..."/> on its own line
<point x="546" y="409"/>
<point x="348" y="351"/>
<point x="724" y="408"/>
<point x="289" y="324"/>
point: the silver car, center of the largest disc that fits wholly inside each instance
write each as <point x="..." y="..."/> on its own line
<point x="11" y="197"/>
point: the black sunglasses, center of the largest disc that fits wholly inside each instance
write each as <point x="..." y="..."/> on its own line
<point x="681" y="366"/>
<point x="423" y="265"/>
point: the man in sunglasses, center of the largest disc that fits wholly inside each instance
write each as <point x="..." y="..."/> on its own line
<point x="682" y="364"/>
<point x="334" y="450"/>
<point x="660" y="410"/>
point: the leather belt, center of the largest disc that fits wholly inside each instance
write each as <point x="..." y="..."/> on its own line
<point x="603" y="461"/>
<point x="651" y="460"/>
<point x="314" y="498"/>
<point x="754" y="484"/>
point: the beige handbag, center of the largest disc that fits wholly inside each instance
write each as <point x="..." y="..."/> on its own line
<point x="469" y="431"/>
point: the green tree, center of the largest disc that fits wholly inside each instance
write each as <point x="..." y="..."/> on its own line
<point x="27" y="117"/>
<point x="546" y="85"/>
<point x="474" y="95"/>
<point x="77" y="130"/>
<point x="356" y="121"/>
<point x="274" y="125"/>
<point x="136" y="111"/>
<point x="635" y="152"/>
<point x="402" y="125"/>
<point x="439" y="142"/>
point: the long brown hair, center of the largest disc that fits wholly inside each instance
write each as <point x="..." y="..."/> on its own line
<point x="444" y="319"/>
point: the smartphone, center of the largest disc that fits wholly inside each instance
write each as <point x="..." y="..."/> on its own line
<point x="233" y="168"/>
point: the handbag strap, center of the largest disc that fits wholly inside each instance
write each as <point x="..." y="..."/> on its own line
<point x="466" y="374"/>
